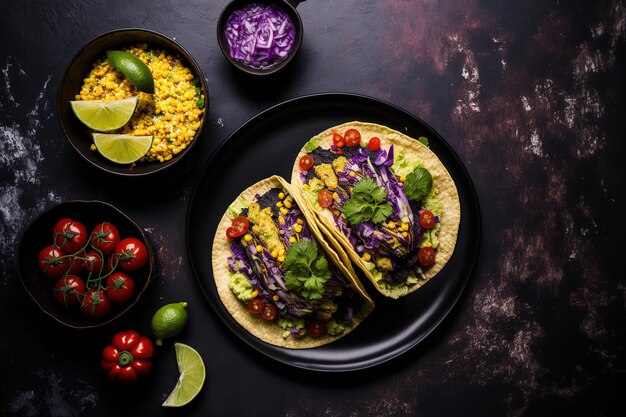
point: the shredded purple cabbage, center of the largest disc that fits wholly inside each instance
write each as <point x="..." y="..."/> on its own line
<point x="259" y="35"/>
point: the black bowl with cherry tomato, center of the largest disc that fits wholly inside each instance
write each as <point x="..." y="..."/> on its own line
<point x="85" y="263"/>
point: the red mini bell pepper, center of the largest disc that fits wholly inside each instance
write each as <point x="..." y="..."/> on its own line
<point x="128" y="357"/>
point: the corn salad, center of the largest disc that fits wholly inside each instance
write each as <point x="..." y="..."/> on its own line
<point x="172" y="115"/>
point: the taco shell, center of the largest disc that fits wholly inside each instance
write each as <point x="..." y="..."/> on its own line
<point x="411" y="153"/>
<point x="270" y="331"/>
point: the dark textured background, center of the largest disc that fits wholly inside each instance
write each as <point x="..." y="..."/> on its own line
<point x="529" y="93"/>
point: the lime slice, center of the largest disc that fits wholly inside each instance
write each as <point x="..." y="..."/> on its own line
<point x="133" y="68"/>
<point x="191" y="379"/>
<point x="104" y="116"/>
<point x="122" y="149"/>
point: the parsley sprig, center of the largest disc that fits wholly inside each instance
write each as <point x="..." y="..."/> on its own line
<point x="307" y="269"/>
<point x="368" y="203"/>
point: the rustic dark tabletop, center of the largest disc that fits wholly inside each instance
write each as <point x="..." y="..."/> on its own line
<point x="530" y="94"/>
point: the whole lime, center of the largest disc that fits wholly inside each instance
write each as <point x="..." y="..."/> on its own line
<point x="169" y="321"/>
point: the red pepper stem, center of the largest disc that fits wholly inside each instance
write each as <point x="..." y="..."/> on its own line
<point x="125" y="358"/>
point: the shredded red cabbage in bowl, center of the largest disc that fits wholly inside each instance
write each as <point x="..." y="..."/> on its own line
<point x="259" y="35"/>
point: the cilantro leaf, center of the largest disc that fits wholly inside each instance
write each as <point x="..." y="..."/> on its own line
<point x="307" y="269"/>
<point x="314" y="287"/>
<point x="418" y="184"/>
<point x="368" y="203"/>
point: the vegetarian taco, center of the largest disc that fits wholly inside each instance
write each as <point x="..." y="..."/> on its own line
<point x="276" y="275"/>
<point x="384" y="197"/>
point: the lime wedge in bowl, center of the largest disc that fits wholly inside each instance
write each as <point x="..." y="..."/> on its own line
<point x="122" y="149"/>
<point x="104" y="116"/>
<point x="191" y="379"/>
<point x="133" y="68"/>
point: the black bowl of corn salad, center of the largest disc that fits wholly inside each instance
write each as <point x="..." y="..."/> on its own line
<point x="174" y="115"/>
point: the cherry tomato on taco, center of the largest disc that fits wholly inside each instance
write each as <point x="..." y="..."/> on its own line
<point x="352" y="137"/>
<point x="239" y="226"/>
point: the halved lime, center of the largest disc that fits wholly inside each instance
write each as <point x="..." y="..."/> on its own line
<point x="191" y="379"/>
<point x="133" y="68"/>
<point x="122" y="149"/>
<point x="104" y="116"/>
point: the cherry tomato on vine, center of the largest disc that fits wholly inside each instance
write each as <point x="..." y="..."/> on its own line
<point x="69" y="290"/>
<point x="120" y="287"/>
<point x="131" y="254"/>
<point x="374" y="143"/>
<point x="96" y="303"/>
<point x="427" y="219"/>
<point x="53" y="262"/>
<point x="325" y="198"/>
<point x="70" y="235"/>
<point x="426" y="256"/>
<point x="338" y="140"/>
<point x="353" y="137"/>
<point x="306" y="162"/>
<point x="105" y="237"/>
<point x="255" y="306"/>
<point x="77" y="263"/>
<point x="238" y="227"/>
<point x="93" y="263"/>
<point x="317" y="328"/>
<point x="269" y="312"/>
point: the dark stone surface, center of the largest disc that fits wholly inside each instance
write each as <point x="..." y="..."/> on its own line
<point x="529" y="93"/>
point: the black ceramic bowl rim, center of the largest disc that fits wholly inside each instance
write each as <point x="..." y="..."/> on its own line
<point x="80" y="65"/>
<point x="26" y="260"/>
<point x="287" y="7"/>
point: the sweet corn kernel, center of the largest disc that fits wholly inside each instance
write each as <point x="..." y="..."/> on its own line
<point x="405" y="226"/>
<point x="366" y="256"/>
<point x="288" y="204"/>
<point x="274" y="253"/>
<point x="299" y="221"/>
<point x="336" y="195"/>
<point x="255" y="293"/>
<point x="275" y="298"/>
<point x="281" y="220"/>
<point x="297" y="228"/>
<point x="281" y="195"/>
<point x="281" y="258"/>
<point x="284" y="210"/>
<point x="279" y="204"/>
<point x="352" y="174"/>
<point x="405" y="234"/>
<point x="391" y="225"/>
<point x="259" y="248"/>
<point x="247" y="237"/>
<point x="402" y="178"/>
<point x="292" y="239"/>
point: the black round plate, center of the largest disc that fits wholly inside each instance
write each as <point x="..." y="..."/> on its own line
<point x="267" y="145"/>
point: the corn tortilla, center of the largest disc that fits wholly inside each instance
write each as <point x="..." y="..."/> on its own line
<point x="443" y="187"/>
<point x="269" y="331"/>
